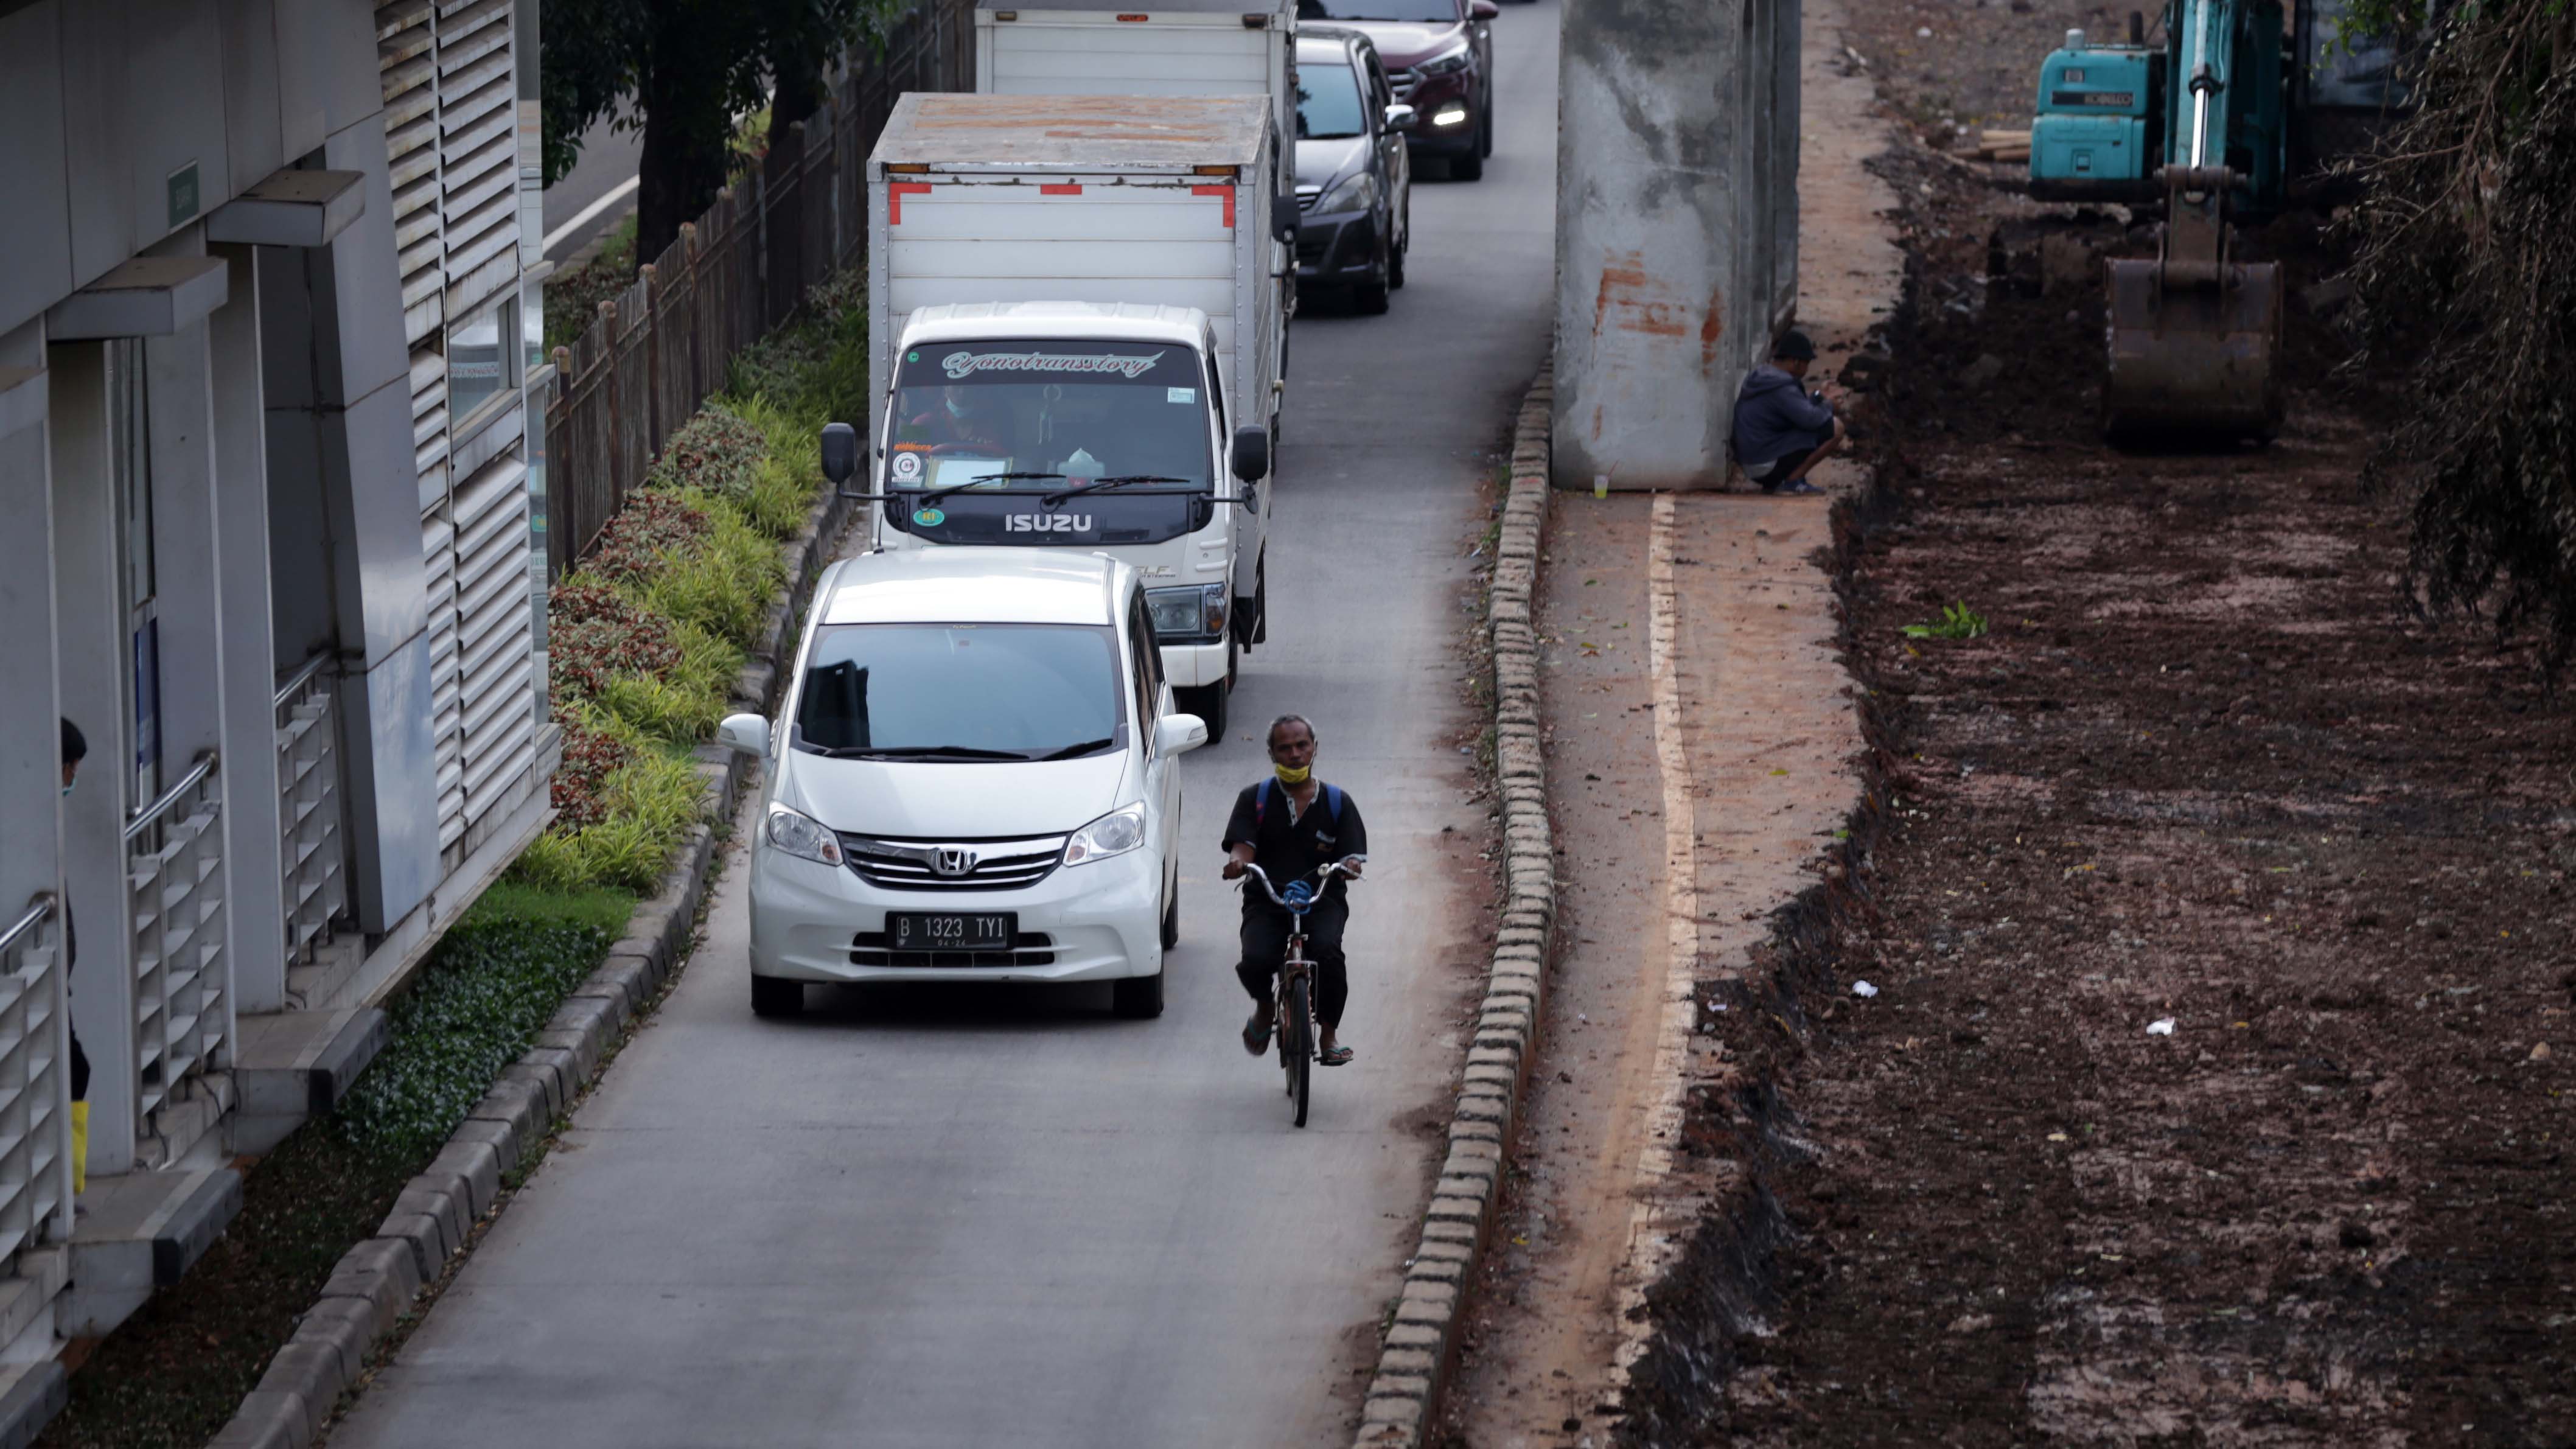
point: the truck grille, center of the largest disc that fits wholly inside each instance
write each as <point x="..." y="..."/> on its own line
<point x="932" y="865"/>
<point x="1029" y="948"/>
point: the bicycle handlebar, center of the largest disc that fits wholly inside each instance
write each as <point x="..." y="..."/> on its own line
<point x="1324" y="874"/>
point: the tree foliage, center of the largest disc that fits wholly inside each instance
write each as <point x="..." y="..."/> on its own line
<point x="681" y="71"/>
<point x="2466" y="276"/>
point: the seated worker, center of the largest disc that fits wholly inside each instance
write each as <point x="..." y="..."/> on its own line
<point x="962" y="422"/>
<point x="1781" y="430"/>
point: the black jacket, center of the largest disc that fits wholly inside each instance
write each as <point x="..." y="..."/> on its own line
<point x="1331" y="829"/>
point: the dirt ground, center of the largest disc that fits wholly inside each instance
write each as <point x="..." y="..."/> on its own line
<point x="2210" y="1086"/>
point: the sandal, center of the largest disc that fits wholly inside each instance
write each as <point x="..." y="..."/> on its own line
<point x="1256" y="1037"/>
<point x="1334" y="1058"/>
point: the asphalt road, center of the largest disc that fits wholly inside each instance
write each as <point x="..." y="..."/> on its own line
<point x="972" y="1217"/>
<point x="596" y="193"/>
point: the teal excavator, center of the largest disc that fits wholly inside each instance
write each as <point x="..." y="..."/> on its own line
<point x="2207" y="125"/>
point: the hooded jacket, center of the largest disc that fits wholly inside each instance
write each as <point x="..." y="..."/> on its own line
<point x="1775" y="417"/>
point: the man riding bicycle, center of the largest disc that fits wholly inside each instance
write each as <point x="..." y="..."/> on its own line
<point x="1289" y="826"/>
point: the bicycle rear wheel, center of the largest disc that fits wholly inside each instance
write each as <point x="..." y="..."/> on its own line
<point x="1301" y="1061"/>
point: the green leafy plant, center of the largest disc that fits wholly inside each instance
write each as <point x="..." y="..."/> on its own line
<point x="1957" y="621"/>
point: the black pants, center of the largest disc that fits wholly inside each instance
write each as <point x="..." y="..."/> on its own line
<point x="1781" y="467"/>
<point x="1265" y="945"/>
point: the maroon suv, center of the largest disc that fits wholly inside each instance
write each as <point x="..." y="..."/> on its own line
<point x="1439" y="54"/>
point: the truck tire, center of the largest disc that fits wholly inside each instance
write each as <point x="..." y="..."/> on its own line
<point x="1207" y="701"/>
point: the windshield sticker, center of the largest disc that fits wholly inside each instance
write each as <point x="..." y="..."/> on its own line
<point x="929" y="517"/>
<point x="954" y="472"/>
<point x="960" y="365"/>
<point x="1181" y="394"/>
<point x="907" y="467"/>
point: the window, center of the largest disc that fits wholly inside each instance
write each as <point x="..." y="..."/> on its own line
<point x="960" y="692"/>
<point x="479" y="354"/>
<point x="1328" y="104"/>
<point x="130" y="457"/>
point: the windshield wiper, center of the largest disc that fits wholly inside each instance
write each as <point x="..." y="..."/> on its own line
<point x="920" y="752"/>
<point x="1076" y="751"/>
<point x="953" y="489"/>
<point x="1052" y="499"/>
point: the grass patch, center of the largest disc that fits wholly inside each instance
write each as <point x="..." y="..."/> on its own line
<point x="573" y="297"/>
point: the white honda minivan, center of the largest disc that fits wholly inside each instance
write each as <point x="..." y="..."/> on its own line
<point x="975" y="776"/>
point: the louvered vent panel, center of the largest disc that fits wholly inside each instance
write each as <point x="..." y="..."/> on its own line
<point x="495" y="667"/>
<point x="438" y="554"/>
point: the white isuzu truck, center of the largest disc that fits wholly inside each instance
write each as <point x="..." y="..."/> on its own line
<point x="1074" y="326"/>
<point x="1179" y="48"/>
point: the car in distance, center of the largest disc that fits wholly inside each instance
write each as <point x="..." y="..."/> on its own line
<point x="1354" y="173"/>
<point x="1439" y="58"/>
<point x="975" y="776"/>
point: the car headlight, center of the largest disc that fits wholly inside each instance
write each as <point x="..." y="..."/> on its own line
<point x="1449" y="116"/>
<point x="1187" y="613"/>
<point x="1355" y="192"/>
<point x="803" y="836"/>
<point x="1115" y="833"/>
<point x="1447" y="62"/>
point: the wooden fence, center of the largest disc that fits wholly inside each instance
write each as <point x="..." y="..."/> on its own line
<point x="661" y="347"/>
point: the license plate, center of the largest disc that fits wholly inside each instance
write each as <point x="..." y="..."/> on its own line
<point x="951" y="930"/>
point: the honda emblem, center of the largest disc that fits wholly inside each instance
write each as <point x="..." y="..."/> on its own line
<point x="953" y="860"/>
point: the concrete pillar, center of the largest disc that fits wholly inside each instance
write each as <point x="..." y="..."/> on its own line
<point x="93" y="655"/>
<point x="31" y="799"/>
<point x="1665" y="266"/>
<point x="340" y="460"/>
<point x="255" y="904"/>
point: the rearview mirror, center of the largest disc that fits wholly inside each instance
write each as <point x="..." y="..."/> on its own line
<point x="1251" y="454"/>
<point x="840" y="453"/>
<point x="748" y="733"/>
<point x="1178" y="734"/>
<point x="1483" y="9"/>
<point x="1400" y="117"/>
<point x="1283" y="218"/>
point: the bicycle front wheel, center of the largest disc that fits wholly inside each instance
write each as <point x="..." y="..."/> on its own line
<point x="1301" y="1060"/>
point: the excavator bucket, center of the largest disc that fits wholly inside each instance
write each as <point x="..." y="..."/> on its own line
<point x="2190" y="360"/>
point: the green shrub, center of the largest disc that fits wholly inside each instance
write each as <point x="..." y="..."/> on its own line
<point x="722" y="586"/>
<point x="816" y="367"/>
<point x="653" y="527"/>
<point x="662" y="708"/>
<point x="646" y="805"/>
<point x="790" y="476"/>
<point x="714" y="452"/>
<point x="489" y="988"/>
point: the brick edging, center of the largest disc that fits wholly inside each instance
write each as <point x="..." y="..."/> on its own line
<point x="1414" y="1362"/>
<point x="375" y="1282"/>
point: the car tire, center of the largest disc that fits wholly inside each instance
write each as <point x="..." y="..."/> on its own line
<point x="1468" y="167"/>
<point x="1172" y="920"/>
<point x="776" y="997"/>
<point x="1485" y="132"/>
<point x="1370" y="297"/>
<point x="1395" y="270"/>
<point x="1137" y="998"/>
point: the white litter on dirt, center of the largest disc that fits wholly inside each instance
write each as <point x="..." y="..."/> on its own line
<point x="2161" y="1028"/>
<point x="1863" y="988"/>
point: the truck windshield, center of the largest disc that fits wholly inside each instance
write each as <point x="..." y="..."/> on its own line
<point x="937" y="692"/>
<point x="1024" y="419"/>
<point x="1328" y="103"/>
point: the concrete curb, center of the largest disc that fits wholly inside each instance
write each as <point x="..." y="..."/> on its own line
<point x="375" y="1283"/>
<point x="1414" y="1362"/>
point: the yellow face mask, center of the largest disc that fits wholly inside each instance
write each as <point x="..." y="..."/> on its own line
<point x="1297" y="776"/>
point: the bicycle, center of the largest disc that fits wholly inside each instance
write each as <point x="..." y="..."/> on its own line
<point x="1293" y="1007"/>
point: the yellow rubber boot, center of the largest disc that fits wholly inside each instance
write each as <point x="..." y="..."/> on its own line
<point x="80" y="1148"/>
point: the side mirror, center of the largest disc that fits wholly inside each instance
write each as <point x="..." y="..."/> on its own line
<point x="840" y="453"/>
<point x="1251" y="456"/>
<point x="1178" y="734"/>
<point x="748" y="733"/>
<point x="1483" y="10"/>
<point x="1400" y="117"/>
<point x="1283" y="218"/>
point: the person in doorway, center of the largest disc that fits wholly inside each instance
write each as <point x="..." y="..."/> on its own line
<point x="1290" y="825"/>
<point x="75" y="749"/>
<point x="1782" y="431"/>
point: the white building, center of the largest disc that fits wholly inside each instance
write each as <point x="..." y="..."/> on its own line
<point x="273" y="503"/>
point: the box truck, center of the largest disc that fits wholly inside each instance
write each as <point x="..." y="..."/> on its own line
<point x="1074" y="326"/>
<point x="1191" y="48"/>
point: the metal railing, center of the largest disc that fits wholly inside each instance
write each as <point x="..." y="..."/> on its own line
<point x="34" y="1174"/>
<point x="174" y="856"/>
<point x="308" y="808"/>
